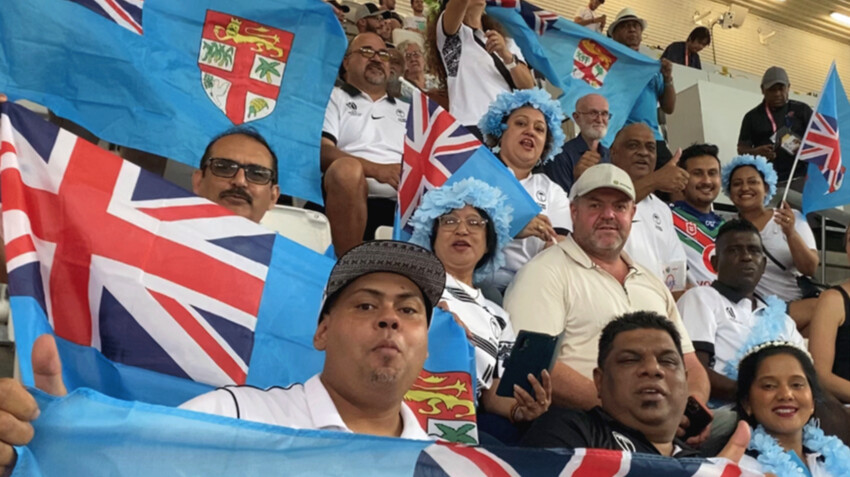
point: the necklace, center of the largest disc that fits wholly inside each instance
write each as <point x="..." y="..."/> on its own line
<point x="773" y="458"/>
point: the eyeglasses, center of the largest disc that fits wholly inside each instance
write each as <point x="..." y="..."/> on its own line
<point x="368" y="52"/>
<point x="228" y="168"/>
<point x="451" y="223"/>
<point x="412" y="54"/>
<point x="594" y="114"/>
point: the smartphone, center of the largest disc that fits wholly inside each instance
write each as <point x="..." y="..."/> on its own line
<point x="698" y="415"/>
<point x="532" y="353"/>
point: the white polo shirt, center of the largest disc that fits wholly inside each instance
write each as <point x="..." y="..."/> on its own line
<point x="555" y="205"/>
<point x="300" y="406"/>
<point x="561" y="289"/>
<point x="472" y="78"/>
<point x="492" y="333"/>
<point x="776" y="281"/>
<point x="373" y="130"/>
<point x="653" y="241"/>
<point x="585" y="13"/>
<point x="720" y="326"/>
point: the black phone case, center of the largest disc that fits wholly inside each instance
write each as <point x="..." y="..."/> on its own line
<point x="532" y="353"/>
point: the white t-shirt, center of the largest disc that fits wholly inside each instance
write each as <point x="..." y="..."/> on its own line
<point x="472" y="78"/>
<point x="721" y="327"/>
<point x="416" y="22"/>
<point x="373" y="130"/>
<point x="492" y="333"/>
<point x="300" y="406"/>
<point x="554" y="204"/>
<point x="776" y="281"/>
<point x="585" y="13"/>
<point x="653" y="241"/>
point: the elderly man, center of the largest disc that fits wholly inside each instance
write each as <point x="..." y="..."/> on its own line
<point x="775" y="127"/>
<point x="641" y="381"/>
<point x="362" y="143"/>
<point x="628" y="29"/>
<point x="693" y="216"/>
<point x="373" y="328"/>
<point x="585" y="281"/>
<point x="585" y="150"/>
<point x="653" y="241"/>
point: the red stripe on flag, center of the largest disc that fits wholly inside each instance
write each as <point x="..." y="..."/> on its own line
<point x="731" y="470"/>
<point x="487" y="465"/>
<point x="19" y="246"/>
<point x="215" y="351"/>
<point x="127" y="18"/>
<point x="599" y="463"/>
<point x="185" y="212"/>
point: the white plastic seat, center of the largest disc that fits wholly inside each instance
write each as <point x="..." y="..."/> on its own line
<point x="307" y="227"/>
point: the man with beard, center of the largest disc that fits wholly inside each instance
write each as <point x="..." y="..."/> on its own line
<point x="694" y="217"/>
<point x="585" y="150"/>
<point x="362" y="143"/>
<point x="369" y="18"/>
<point x="586" y="281"/>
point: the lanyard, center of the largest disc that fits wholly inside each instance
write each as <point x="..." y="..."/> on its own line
<point x="770" y="116"/>
<point x="687" y="56"/>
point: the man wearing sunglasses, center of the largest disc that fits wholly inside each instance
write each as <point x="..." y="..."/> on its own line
<point x="362" y="143"/>
<point x="239" y="172"/>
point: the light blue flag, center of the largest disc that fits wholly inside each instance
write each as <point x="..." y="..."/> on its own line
<point x="198" y="67"/>
<point x="578" y="60"/>
<point x="825" y="150"/>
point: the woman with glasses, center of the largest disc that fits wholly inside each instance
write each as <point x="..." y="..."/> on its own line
<point x="777" y="395"/>
<point x="523" y="129"/>
<point x="466" y="226"/>
<point x="471" y="55"/>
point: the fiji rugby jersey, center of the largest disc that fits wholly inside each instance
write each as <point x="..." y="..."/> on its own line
<point x="697" y="232"/>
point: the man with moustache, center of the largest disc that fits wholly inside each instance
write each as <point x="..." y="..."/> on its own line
<point x="693" y="217"/>
<point x="586" y="281"/>
<point x="369" y="18"/>
<point x="362" y="143"/>
<point x="585" y="150"/>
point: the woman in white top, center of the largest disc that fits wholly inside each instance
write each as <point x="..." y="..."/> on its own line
<point x="466" y="225"/>
<point x="469" y="52"/>
<point x="523" y="128"/>
<point x="777" y="395"/>
<point x="750" y="182"/>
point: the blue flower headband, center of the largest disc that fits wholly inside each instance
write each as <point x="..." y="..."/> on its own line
<point x="472" y="192"/>
<point x="493" y="123"/>
<point x="760" y="163"/>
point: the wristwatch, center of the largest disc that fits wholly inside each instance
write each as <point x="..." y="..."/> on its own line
<point x="512" y="64"/>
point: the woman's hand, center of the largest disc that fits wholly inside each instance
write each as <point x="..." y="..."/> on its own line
<point x="526" y="407"/>
<point x="496" y="44"/>
<point x="784" y="216"/>
<point x="539" y="227"/>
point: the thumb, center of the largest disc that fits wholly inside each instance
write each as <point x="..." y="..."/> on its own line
<point x="46" y="366"/>
<point x="674" y="161"/>
<point x="737" y="444"/>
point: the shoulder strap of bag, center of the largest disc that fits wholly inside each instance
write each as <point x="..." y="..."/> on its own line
<point x="503" y="70"/>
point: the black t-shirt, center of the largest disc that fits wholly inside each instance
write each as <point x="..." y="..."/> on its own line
<point x="573" y="429"/>
<point x="757" y="130"/>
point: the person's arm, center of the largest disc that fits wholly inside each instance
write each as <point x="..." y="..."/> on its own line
<point x="586" y="21"/>
<point x="669" y="178"/>
<point x="520" y="73"/>
<point x="721" y="386"/>
<point x="746" y="144"/>
<point x="801" y="240"/>
<point x="699" y="382"/>
<point x="667" y="99"/>
<point x="384" y="173"/>
<point x="453" y="16"/>
<point x="692" y="305"/>
<point x="829" y="316"/>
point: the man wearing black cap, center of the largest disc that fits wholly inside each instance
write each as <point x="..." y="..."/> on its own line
<point x="373" y="328"/>
<point x="775" y="127"/>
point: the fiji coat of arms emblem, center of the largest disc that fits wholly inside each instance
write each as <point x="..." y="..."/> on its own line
<point x="591" y="62"/>
<point x="445" y="406"/>
<point x="242" y="64"/>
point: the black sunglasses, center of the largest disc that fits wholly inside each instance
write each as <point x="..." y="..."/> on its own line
<point x="228" y="168"/>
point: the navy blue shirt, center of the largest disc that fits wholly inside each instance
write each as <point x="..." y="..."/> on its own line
<point x="560" y="168"/>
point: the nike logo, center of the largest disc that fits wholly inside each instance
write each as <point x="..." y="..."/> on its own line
<point x="380" y="117"/>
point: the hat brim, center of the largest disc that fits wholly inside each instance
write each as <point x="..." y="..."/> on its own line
<point x="613" y="26"/>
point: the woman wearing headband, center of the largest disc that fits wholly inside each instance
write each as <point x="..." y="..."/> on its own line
<point x="777" y="395"/>
<point x="750" y="182"/>
<point x="466" y="225"/>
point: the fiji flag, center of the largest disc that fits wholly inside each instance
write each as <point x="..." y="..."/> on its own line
<point x="578" y="60"/>
<point x="166" y="76"/>
<point x="823" y="148"/>
<point x="437" y="151"/>
<point x="154" y="294"/>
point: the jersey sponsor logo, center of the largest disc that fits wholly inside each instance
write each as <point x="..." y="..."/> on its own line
<point x="730" y="312"/>
<point x="377" y="118"/>
<point x="691" y="229"/>
<point x="591" y="62"/>
<point x="541" y="198"/>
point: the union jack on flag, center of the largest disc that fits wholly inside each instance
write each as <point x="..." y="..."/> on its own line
<point x="123" y="262"/>
<point x="821" y="147"/>
<point x="127" y="13"/>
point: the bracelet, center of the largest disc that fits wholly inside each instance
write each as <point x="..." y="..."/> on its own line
<point x="512" y="414"/>
<point x="512" y="64"/>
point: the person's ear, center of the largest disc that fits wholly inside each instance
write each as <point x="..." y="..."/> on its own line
<point x="320" y="338"/>
<point x="597" y="381"/>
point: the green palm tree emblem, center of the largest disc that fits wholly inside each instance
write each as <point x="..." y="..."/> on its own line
<point x="267" y="69"/>
<point x="459" y="435"/>
<point x="217" y="53"/>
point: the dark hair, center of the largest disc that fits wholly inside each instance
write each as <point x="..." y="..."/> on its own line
<point x="638" y="320"/>
<point x="700" y="34"/>
<point x="749" y="366"/>
<point x="491" y="141"/>
<point x="737" y="225"/>
<point x="697" y="150"/>
<point x="241" y="131"/>
<point x="490" y="231"/>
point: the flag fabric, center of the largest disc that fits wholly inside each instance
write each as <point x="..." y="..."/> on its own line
<point x="87" y="433"/>
<point x="577" y="60"/>
<point x="196" y="69"/>
<point x="825" y="150"/>
<point x="439" y="150"/>
<point x="153" y="293"/>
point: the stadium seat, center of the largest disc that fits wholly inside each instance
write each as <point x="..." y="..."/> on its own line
<point x="307" y="227"/>
<point x="384" y="232"/>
